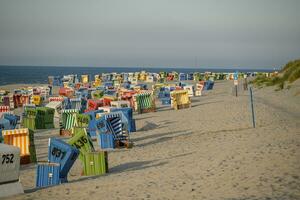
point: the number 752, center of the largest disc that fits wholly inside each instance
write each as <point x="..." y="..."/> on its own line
<point x="7" y="158"/>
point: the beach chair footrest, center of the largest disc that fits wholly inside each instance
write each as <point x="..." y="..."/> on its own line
<point x="183" y="106"/>
<point x="63" y="132"/>
<point x="25" y="159"/>
<point x="147" y="110"/>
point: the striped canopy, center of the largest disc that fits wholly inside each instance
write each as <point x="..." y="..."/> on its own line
<point x="18" y="138"/>
<point x="69" y="118"/>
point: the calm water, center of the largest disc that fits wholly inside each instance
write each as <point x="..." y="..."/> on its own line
<point x="30" y="74"/>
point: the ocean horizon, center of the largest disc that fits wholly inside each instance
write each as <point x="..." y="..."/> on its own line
<point x="39" y="74"/>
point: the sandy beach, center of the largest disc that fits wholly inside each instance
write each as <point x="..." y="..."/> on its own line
<point x="209" y="151"/>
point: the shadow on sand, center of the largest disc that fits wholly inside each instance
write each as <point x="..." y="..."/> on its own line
<point x="162" y="137"/>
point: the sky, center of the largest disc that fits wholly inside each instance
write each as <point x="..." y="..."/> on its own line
<point x="150" y="33"/>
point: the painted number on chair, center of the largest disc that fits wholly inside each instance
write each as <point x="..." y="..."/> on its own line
<point x="80" y="143"/>
<point x="57" y="153"/>
<point x="7" y="158"/>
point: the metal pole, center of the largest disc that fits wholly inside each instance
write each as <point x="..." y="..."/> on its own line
<point x="236" y="91"/>
<point x="252" y="107"/>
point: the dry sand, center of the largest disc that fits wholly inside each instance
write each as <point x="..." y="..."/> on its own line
<point x="209" y="151"/>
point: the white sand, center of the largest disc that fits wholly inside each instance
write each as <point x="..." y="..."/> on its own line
<point x="209" y="151"/>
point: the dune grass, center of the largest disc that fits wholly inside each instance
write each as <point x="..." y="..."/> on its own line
<point x="289" y="74"/>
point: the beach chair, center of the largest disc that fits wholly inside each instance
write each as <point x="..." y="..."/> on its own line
<point x="62" y="153"/>
<point x="29" y="122"/>
<point x="144" y="102"/>
<point x="97" y="94"/>
<point x="164" y="92"/>
<point x="56" y="99"/>
<point x="166" y="101"/>
<point x="23" y="139"/>
<point x="94" y="104"/>
<point x="111" y="94"/>
<point x="108" y="84"/>
<point x="92" y="128"/>
<point x="83" y="105"/>
<point x="57" y="106"/>
<point x="198" y="90"/>
<point x="13" y="119"/>
<point x="182" y="77"/>
<point x="47" y="174"/>
<point x="95" y="163"/>
<point x="97" y="81"/>
<point x="75" y="103"/>
<point x="81" y="141"/>
<point x="28" y="116"/>
<point x="84" y="78"/>
<point x="9" y="171"/>
<point x="128" y="113"/>
<point x="44" y="118"/>
<point x="36" y="100"/>
<point x="67" y="92"/>
<point x="111" y="124"/>
<point x="190" y="89"/>
<point x="68" y="120"/>
<point x="82" y="120"/>
<point x="4" y="125"/>
<point x="209" y="85"/>
<point x="106" y="100"/>
<point x="8" y="101"/>
<point x="128" y="96"/>
<point x="180" y="99"/>
<point x="4" y="109"/>
<point x="25" y="99"/>
<point x="120" y="104"/>
<point x="17" y="100"/>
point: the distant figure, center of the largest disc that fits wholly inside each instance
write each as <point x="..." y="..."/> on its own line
<point x="245" y="84"/>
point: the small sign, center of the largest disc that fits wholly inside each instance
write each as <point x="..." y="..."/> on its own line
<point x="236" y="76"/>
<point x="235" y="82"/>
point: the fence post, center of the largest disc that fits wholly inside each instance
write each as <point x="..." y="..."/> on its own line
<point x="252" y="107"/>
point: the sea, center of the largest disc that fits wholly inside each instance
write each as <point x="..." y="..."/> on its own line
<point x="36" y="74"/>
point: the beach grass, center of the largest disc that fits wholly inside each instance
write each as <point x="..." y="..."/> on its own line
<point x="289" y="74"/>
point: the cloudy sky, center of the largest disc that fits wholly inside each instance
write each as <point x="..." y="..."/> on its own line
<point x="249" y="33"/>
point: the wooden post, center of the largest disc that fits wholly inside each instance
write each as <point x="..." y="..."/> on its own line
<point x="252" y="107"/>
<point x="236" y="83"/>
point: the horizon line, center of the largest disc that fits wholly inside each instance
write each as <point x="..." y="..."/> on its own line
<point x="151" y="67"/>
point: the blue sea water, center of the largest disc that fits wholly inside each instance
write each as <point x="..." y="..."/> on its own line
<point x="34" y="74"/>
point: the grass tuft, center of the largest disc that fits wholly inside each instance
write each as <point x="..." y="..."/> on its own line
<point x="289" y="73"/>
